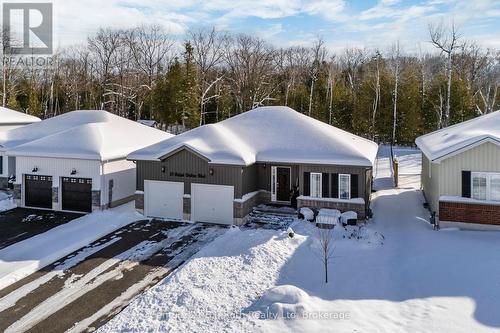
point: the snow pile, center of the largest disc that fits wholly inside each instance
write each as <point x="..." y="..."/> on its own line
<point x="439" y="144"/>
<point x="347" y="216"/>
<point x="269" y="134"/>
<point x="6" y="202"/>
<point x="92" y="134"/>
<point x="211" y="292"/>
<point x="26" y="257"/>
<point x="307" y="213"/>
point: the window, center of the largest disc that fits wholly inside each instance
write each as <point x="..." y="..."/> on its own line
<point x="485" y="186"/>
<point x="344" y="186"/>
<point x="1" y="164"/>
<point x="495" y="187"/>
<point x="316" y="183"/>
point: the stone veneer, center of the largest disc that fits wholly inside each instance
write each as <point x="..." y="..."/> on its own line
<point x="469" y="212"/>
<point x="17" y="191"/>
<point x="96" y="198"/>
<point x="55" y="194"/>
<point x="243" y="208"/>
<point x="343" y="206"/>
<point x="139" y="200"/>
<point x="4" y="182"/>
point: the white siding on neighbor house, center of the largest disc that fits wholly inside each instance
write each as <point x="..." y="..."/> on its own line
<point x="123" y="174"/>
<point x="58" y="167"/>
<point x="446" y="177"/>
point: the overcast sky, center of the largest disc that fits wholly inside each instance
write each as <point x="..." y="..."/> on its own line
<point x="288" y="22"/>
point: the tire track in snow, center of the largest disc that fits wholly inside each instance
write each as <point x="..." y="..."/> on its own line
<point x="119" y="241"/>
<point x="76" y="287"/>
<point x="178" y="258"/>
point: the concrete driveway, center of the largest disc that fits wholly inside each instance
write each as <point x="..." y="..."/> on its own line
<point x="87" y="288"/>
<point x="21" y="223"/>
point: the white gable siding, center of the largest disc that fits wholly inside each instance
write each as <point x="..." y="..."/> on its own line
<point x="58" y="167"/>
<point x="123" y="174"/>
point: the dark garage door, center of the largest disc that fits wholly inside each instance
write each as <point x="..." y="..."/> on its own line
<point x="38" y="191"/>
<point x="77" y="194"/>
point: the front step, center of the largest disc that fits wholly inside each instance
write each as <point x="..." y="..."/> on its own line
<point x="275" y="217"/>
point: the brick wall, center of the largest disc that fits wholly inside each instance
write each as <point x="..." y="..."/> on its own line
<point x="466" y="212"/>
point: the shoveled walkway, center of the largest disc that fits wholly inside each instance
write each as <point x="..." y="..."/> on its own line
<point x="88" y="287"/>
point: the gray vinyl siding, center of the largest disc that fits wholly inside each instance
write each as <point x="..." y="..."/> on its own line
<point x="244" y="179"/>
<point x="430" y="182"/>
<point x="188" y="163"/>
<point x="363" y="173"/>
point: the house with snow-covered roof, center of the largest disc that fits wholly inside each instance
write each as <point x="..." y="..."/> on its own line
<point x="10" y="119"/>
<point x="461" y="172"/>
<point x="76" y="161"/>
<point x="217" y="173"/>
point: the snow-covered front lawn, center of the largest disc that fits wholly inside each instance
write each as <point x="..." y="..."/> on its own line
<point x="26" y="257"/>
<point x="395" y="274"/>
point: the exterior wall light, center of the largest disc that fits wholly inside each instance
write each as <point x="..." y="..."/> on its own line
<point x="35" y="169"/>
<point x="163" y="169"/>
<point x="211" y="171"/>
<point x="73" y="171"/>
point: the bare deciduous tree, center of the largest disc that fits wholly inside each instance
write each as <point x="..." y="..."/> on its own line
<point x="447" y="42"/>
<point x="325" y="239"/>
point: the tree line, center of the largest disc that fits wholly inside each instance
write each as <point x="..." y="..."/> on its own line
<point x="143" y="73"/>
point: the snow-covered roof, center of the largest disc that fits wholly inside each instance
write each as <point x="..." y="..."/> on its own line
<point x="268" y="134"/>
<point x="444" y="143"/>
<point x="11" y="117"/>
<point x="91" y="134"/>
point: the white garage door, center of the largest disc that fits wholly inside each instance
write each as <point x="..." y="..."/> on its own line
<point x="212" y="203"/>
<point x="163" y="199"/>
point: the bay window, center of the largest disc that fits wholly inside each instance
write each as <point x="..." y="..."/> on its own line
<point x="485" y="186"/>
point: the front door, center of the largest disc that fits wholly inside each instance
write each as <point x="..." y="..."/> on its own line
<point x="282" y="184"/>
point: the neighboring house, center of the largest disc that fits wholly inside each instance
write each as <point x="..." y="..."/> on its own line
<point x="461" y="172"/>
<point x="77" y="161"/>
<point x="217" y="173"/>
<point x="10" y="119"/>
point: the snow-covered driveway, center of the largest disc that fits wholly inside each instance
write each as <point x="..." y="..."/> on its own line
<point x="411" y="279"/>
<point x="86" y="288"/>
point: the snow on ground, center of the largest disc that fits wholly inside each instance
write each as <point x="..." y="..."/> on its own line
<point x="28" y="256"/>
<point x="6" y="202"/>
<point x="394" y="274"/>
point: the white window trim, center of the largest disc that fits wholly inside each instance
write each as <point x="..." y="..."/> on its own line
<point x="349" y="189"/>
<point x="320" y="184"/>
<point x="488" y="184"/>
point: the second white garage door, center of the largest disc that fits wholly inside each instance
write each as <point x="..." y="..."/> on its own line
<point x="163" y="199"/>
<point x="212" y="203"/>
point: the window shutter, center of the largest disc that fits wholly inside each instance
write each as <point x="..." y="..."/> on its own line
<point x="1" y="164"/>
<point x="354" y="186"/>
<point x="335" y="185"/>
<point x="307" y="184"/>
<point x="325" y="178"/>
<point x="466" y="184"/>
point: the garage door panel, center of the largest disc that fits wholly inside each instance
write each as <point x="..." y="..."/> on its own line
<point x="38" y="191"/>
<point x="77" y="194"/>
<point x="164" y="199"/>
<point x="212" y="203"/>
